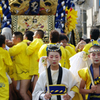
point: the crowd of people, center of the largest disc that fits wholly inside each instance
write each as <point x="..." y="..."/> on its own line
<point x="20" y="75"/>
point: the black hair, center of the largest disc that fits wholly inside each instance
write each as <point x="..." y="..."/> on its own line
<point x="87" y="40"/>
<point x="29" y="35"/>
<point x="94" y="33"/>
<point x="2" y="40"/>
<point x="54" y="36"/>
<point x="19" y="34"/>
<point x="54" y="48"/>
<point x="62" y="37"/>
<point x="40" y="32"/>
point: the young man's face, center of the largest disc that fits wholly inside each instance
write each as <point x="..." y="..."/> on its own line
<point x="54" y="58"/>
<point x="95" y="57"/>
<point x="24" y="37"/>
<point x="35" y="35"/>
<point x="14" y="39"/>
<point x="64" y="42"/>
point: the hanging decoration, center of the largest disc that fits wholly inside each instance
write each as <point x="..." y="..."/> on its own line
<point x="71" y="20"/>
<point x="60" y="14"/>
<point x="6" y="22"/>
<point x="1" y="11"/>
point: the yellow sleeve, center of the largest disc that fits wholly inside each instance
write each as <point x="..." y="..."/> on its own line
<point x="42" y="51"/>
<point x="32" y="47"/>
<point x="72" y="46"/>
<point x="87" y="47"/>
<point x="15" y="49"/>
<point x="77" y="96"/>
<point x="83" y="73"/>
<point x="8" y="60"/>
<point x="9" y="63"/>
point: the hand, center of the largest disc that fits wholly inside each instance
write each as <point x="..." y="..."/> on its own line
<point x="47" y="96"/>
<point x="66" y="97"/>
<point x="93" y="88"/>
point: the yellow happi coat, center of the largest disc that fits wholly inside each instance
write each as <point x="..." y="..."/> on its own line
<point x="32" y="51"/>
<point x="21" y="63"/>
<point x="5" y="61"/>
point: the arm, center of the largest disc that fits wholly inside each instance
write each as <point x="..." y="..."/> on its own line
<point x="85" y="91"/>
<point x="80" y="46"/>
<point x="8" y="60"/>
<point x="13" y="51"/>
<point x="32" y="47"/>
<point x="72" y="82"/>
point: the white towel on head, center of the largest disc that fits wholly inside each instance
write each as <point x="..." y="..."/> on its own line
<point x="7" y="32"/>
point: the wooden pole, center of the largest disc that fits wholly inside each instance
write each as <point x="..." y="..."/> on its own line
<point x="45" y="65"/>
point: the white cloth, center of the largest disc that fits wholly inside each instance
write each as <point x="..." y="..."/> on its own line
<point x="18" y="85"/>
<point x="7" y="48"/>
<point x="41" y="66"/>
<point x="7" y="32"/>
<point x="68" y="80"/>
<point x="78" y="63"/>
<point x="9" y="79"/>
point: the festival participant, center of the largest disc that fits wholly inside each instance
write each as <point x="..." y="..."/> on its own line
<point x="63" y="39"/>
<point x="61" y="80"/>
<point x="21" y="64"/>
<point x="76" y="61"/>
<point x="54" y="39"/>
<point x="92" y="91"/>
<point x="32" y="51"/>
<point x="94" y="35"/>
<point x="5" y="62"/>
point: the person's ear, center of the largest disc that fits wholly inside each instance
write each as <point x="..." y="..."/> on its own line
<point x="38" y="36"/>
<point x="3" y="45"/>
<point x="18" y="39"/>
<point x="90" y="36"/>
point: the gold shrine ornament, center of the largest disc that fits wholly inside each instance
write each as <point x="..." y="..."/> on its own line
<point x="1" y="12"/>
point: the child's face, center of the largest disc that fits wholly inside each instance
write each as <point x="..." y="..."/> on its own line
<point x="54" y="58"/>
<point x="95" y="57"/>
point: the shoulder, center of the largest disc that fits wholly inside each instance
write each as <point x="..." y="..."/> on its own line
<point x="83" y="73"/>
<point x="65" y="70"/>
<point x="22" y="44"/>
<point x="44" y="46"/>
<point x="5" y="53"/>
<point x="37" y="40"/>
